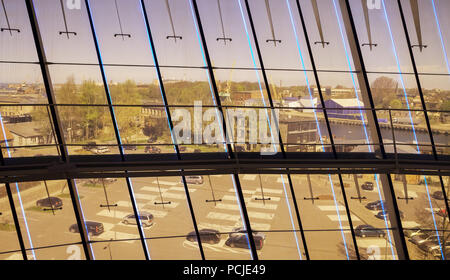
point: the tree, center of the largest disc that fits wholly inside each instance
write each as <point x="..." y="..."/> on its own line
<point x="395" y="104"/>
<point x="383" y="91"/>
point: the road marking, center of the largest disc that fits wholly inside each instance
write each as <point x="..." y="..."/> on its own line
<point x="266" y="190"/>
<point x="180" y="189"/>
<point x="261" y="205"/>
<point x="227" y="206"/>
<point x="233" y="198"/>
<point x="152" y="189"/>
<point x="259" y="215"/>
<point x="342" y="217"/>
<point x="330" y="207"/>
<point x="372" y="241"/>
<point x="168" y="183"/>
<point x="255" y="226"/>
<point x="145" y="196"/>
<point x="18" y="256"/>
<point x="174" y="195"/>
<point x="243" y="191"/>
<point x="220" y="228"/>
<point x="113" y="214"/>
<point x="223" y="216"/>
<point x="250" y="177"/>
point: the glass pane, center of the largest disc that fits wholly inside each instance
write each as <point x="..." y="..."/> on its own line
<point x="10" y="248"/>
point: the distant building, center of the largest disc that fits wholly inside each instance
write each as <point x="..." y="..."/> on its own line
<point x="31" y="133"/>
<point x="348" y="108"/>
<point x="153" y="109"/>
<point x="307" y="102"/>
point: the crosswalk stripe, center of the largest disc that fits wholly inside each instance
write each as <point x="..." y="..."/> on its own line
<point x="222" y="216"/>
<point x="227" y="206"/>
<point x="261" y="205"/>
<point x="112" y="214"/>
<point x="180" y="189"/>
<point x="168" y="183"/>
<point x="256" y="226"/>
<point x="233" y="198"/>
<point x="153" y="189"/>
<point x="174" y="195"/>
<point x="243" y="191"/>
<point x="410" y="194"/>
<point x="259" y="215"/>
<point x="342" y="217"/>
<point x="330" y="207"/>
<point x="221" y="228"/>
<point x="266" y="190"/>
<point x="145" y="196"/>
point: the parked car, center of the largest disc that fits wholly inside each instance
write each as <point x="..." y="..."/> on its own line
<point x="439" y="195"/>
<point x="152" y="150"/>
<point x="375" y="205"/>
<point x="145" y="218"/>
<point x="100" y="150"/>
<point x="207" y="235"/>
<point x="420" y="238"/>
<point x="411" y="232"/>
<point x="433" y="247"/>
<point x="241" y="241"/>
<point x="367" y="186"/>
<point x="182" y="148"/>
<point x="196" y="151"/>
<point x="93" y="228"/>
<point x="90" y="146"/>
<point x="194" y="180"/>
<point x="50" y="202"/>
<point x="241" y="231"/>
<point x="441" y="212"/>
<point x="385" y="214"/>
<point x="129" y="147"/>
<point x="368" y="231"/>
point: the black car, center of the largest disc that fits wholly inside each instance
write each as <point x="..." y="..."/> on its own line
<point x="207" y="235"/>
<point x="50" y="202"/>
<point x="367" y="186"/>
<point x="438" y="195"/>
<point x="375" y="205"/>
<point x="90" y="146"/>
<point x="241" y="241"/>
<point x="129" y="147"/>
<point x="382" y="215"/>
<point x="369" y="231"/>
<point x="93" y="228"/>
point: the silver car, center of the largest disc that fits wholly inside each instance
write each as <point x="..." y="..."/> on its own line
<point x="145" y="217"/>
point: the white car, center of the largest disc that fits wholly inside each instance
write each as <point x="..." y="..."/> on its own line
<point x="194" y="180"/>
<point x="101" y="150"/>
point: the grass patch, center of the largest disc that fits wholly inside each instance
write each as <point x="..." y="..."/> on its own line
<point x="7" y="227"/>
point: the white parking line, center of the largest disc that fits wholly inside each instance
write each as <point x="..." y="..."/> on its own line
<point x="116" y="235"/>
<point x="152" y="189"/>
<point x="174" y="195"/>
<point x="227" y="206"/>
<point x="260" y="205"/>
<point x="266" y="190"/>
<point x="180" y="189"/>
<point x="221" y="228"/>
<point x="243" y="191"/>
<point x="145" y="196"/>
<point x="330" y="207"/>
<point x="255" y="226"/>
<point x="168" y="183"/>
<point x="343" y="218"/>
<point x="410" y="194"/>
<point x="259" y="215"/>
<point x="233" y="198"/>
<point x="222" y="216"/>
<point x="112" y="214"/>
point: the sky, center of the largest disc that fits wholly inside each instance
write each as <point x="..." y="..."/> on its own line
<point x="239" y="53"/>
